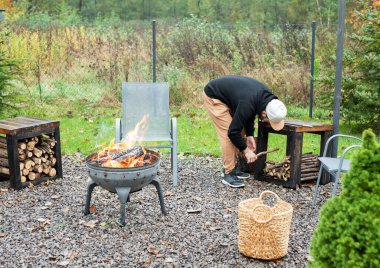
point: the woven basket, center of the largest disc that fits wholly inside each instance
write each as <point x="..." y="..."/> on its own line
<point x="263" y="230"/>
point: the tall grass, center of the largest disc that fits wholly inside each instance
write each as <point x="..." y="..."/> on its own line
<point x="89" y="63"/>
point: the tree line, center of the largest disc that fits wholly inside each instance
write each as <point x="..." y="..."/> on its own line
<point x="257" y="12"/>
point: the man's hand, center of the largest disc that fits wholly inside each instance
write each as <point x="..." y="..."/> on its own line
<point x="251" y="143"/>
<point x="249" y="155"/>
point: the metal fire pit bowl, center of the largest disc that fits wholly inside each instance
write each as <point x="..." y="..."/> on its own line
<point x="123" y="182"/>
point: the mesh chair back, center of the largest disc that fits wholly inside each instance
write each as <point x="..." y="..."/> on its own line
<point x="150" y="99"/>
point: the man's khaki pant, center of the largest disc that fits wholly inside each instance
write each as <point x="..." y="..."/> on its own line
<point x="221" y="116"/>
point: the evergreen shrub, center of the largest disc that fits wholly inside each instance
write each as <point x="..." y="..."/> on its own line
<point x="348" y="233"/>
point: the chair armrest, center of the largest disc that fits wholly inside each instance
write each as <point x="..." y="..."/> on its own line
<point x="336" y="136"/>
<point x="117" y="130"/>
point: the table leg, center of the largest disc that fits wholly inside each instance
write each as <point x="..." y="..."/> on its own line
<point x="262" y="145"/>
<point x="14" y="163"/>
<point x="294" y="149"/>
<point x="58" y="152"/>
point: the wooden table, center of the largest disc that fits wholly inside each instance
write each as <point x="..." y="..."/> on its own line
<point x="19" y="128"/>
<point x="294" y="130"/>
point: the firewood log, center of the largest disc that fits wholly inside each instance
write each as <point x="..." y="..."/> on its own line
<point x="22" y="145"/>
<point x="37" y="152"/>
<point x="30" y="145"/>
<point x="3" y="145"/>
<point x="21" y="157"/>
<point x="4" y="162"/>
<point x="22" y="165"/>
<point x="3" y="153"/>
<point x="29" y="154"/>
<point x="52" y="172"/>
<point x="53" y="160"/>
<point x="23" y="179"/>
<point x="50" y="141"/>
<point x="46" y="169"/>
<point x="37" y="160"/>
<point x="38" y="168"/>
<point x="32" y="176"/>
<point x="4" y="170"/>
<point x="308" y="170"/>
<point x="28" y="163"/>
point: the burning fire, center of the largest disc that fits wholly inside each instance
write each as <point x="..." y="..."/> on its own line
<point x="127" y="153"/>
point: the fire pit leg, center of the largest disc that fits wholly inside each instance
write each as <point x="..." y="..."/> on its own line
<point x="156" y="183"/>
<point x="90" y="187"/>
<point x="123" y="193"/>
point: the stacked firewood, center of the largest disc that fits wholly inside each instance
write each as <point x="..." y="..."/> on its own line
<point x="309" y="167"/>
<point x="281" y="170"/>
<point x="36" y="156"/>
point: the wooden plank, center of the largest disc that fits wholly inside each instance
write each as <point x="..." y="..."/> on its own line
<point x="11" y="122"/>
<point x="6" y="129"/>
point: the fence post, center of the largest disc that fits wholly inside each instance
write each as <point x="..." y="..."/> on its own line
<point x="154" y="49"/>
<point x="2" y="17"/>
<point x="313" y="26"/>
<point x="338" y="73"/>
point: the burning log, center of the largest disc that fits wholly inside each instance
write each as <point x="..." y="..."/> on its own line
<point x="135" y="152"/>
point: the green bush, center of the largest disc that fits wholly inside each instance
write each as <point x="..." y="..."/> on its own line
<point x="360" y="104"/>
<point x="8" y="72"/>
<point x="348" y="234"/>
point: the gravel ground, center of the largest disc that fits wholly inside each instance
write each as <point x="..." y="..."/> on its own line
<point x="44" y="226"/>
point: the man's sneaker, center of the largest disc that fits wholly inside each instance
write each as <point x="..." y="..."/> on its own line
<point x="232" y="181"/>
<point x="239" y="174"/>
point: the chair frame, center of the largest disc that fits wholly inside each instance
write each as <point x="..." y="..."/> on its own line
<point x="335" y="172"/>
<point x="173" y="144"/>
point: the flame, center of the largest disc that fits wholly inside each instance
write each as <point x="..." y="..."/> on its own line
<point x="129" y="142"/>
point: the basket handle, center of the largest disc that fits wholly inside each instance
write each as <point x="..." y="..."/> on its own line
<point x="262" y="221"/>
<point x="267" y="192"/>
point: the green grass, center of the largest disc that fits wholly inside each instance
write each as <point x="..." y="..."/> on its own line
<point x="86" y="128"/>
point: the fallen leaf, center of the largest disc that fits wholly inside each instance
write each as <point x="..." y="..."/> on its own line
<point x="169" y="260"/>
<point x="152" y="249"/>
<point x="46" y="183"/>
<point x="168" y="193"/>
<point x="55" y="196"/>
<point x="66" y="209"/>
<point x="43" y="208"/>
<point x="90" y="224"/>
<point x="63" y="263"/>
<point x="30" y="186"/>
<point x="198" y="210"/>
<point x="48" y="203"/>
<point x="72" y="255"/>
<point x="3" y="234"/>
<point x="92" y="208"/>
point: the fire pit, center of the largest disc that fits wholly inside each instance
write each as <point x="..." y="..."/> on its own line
<point x="123" y="172"/>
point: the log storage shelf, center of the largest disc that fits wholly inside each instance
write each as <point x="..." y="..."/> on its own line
<point x="30" y="151"/>
<point x="298" y="167"/>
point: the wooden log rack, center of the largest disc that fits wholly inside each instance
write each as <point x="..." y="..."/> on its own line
<point x="20" y="129"/>
<point x="294" y="130"/>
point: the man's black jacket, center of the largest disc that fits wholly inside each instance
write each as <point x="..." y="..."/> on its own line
<point x="246" y="98"/>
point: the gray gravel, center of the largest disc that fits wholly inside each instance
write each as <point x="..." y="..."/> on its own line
<point x="44" y="226"/>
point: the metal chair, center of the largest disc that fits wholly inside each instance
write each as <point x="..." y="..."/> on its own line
<point x="150" y="99"/>
<point x="334" y="166"/>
